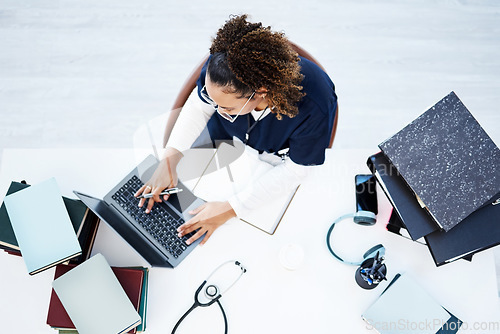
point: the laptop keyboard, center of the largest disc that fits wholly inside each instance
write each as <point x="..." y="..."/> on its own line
<point x="161" y="223"/>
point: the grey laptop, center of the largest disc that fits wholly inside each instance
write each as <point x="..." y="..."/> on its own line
<point x="152" y="235"/>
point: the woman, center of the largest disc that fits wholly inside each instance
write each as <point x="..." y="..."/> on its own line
<point x="256" y="88"/>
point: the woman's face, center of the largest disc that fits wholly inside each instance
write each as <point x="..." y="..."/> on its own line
<point x="231" y="103"/>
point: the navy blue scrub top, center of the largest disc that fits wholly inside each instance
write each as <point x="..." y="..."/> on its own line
<point x="307" y="135"/>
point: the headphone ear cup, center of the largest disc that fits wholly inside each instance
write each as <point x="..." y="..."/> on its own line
<point x="366" y="218"/>
<point x="372" y="252"/>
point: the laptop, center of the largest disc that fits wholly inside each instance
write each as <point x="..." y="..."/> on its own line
<point x="153" y="235"/>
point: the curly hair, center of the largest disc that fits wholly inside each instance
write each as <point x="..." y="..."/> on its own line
<point x="247" y="56"/>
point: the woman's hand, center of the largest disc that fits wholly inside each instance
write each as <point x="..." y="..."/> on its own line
<point x="208" y="217"/>
<point x="165" y="176"/>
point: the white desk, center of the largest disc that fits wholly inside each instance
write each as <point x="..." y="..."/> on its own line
<point x="319" y="297"/>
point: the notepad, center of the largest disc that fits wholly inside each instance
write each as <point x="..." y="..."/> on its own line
<point x="405" y="307"/>
<point x="230" y="177"/>
<point x="42" y="226"/>
<point x="98" y="305"/>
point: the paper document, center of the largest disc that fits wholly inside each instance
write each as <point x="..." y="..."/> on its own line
<point x="224" y="178"/>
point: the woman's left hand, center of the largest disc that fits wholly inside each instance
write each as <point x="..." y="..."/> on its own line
<point x="208" y="217"/>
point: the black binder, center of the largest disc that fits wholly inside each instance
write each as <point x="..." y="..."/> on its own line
<point x="416" y="219"/>
<point x="448" y="160"/>
<point x="478" y="232"/>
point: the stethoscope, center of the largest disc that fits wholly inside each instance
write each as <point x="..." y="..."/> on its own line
<point x="250" y="128"/>
<point x="213" y="293"/>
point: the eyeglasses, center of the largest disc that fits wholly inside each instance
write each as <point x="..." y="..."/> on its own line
<point x="225" y="115"/>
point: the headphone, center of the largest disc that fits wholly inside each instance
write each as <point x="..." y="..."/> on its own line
<point x="371" y="269"/>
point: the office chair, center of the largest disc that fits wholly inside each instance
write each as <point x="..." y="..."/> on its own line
<point x="190" y="84"/>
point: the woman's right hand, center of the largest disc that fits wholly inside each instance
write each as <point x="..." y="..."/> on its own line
<point x="164" y="177"/>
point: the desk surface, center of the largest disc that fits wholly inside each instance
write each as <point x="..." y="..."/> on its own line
<point x="318" y="297"/>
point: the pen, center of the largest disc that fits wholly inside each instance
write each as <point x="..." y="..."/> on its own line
<point x="165" y="192"/>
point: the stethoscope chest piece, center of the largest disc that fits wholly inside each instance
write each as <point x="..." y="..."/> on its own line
<point x="211" y="291"/>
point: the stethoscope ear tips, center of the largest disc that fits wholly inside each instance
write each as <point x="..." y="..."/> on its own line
<point x="241" y="266"/>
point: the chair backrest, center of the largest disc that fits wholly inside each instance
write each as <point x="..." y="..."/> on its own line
<point x="190" y="84"/>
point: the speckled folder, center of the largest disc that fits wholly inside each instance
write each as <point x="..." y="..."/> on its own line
<point x="448" y="160"/>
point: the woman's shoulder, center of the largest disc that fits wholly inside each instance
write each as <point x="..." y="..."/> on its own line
<point x="318" y="87"/>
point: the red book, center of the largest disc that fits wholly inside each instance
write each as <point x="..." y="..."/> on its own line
<point x="12" y="252"/>
<point x="130" y="279"/>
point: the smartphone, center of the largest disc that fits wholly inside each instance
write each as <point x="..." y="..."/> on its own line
<point x="366" y="193"/>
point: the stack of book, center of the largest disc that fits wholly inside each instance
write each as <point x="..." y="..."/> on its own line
<point x="46" y="228"/>
<point x="133" y="281"/>
<point x="441" y="175"/>
<point x="96" y="298"/>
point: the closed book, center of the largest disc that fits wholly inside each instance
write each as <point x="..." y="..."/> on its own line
<point x="12" y="252"/>
<point x="84" y="222"/>
<point x="87" y="237"/>
<point x="132" y="281"/>
<point x="86" y="240"/>
<point x="477" y="232"/>
<point x="448" y="161"/>
<point x="405" y="307"/>
<point x="42" y="226"/>
<point x="143" y="304"/>
<point x="77" y="212"/>
<point x="416" y="219"/>
<point x="7" y="236"/>
<point x="95" y="300"/>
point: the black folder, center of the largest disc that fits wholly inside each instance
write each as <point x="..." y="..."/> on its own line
<point x="396" y="226"/>
<point x="416" y="219"/>
<point x="477" y="232"/>
<point x="448" y="160"/>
